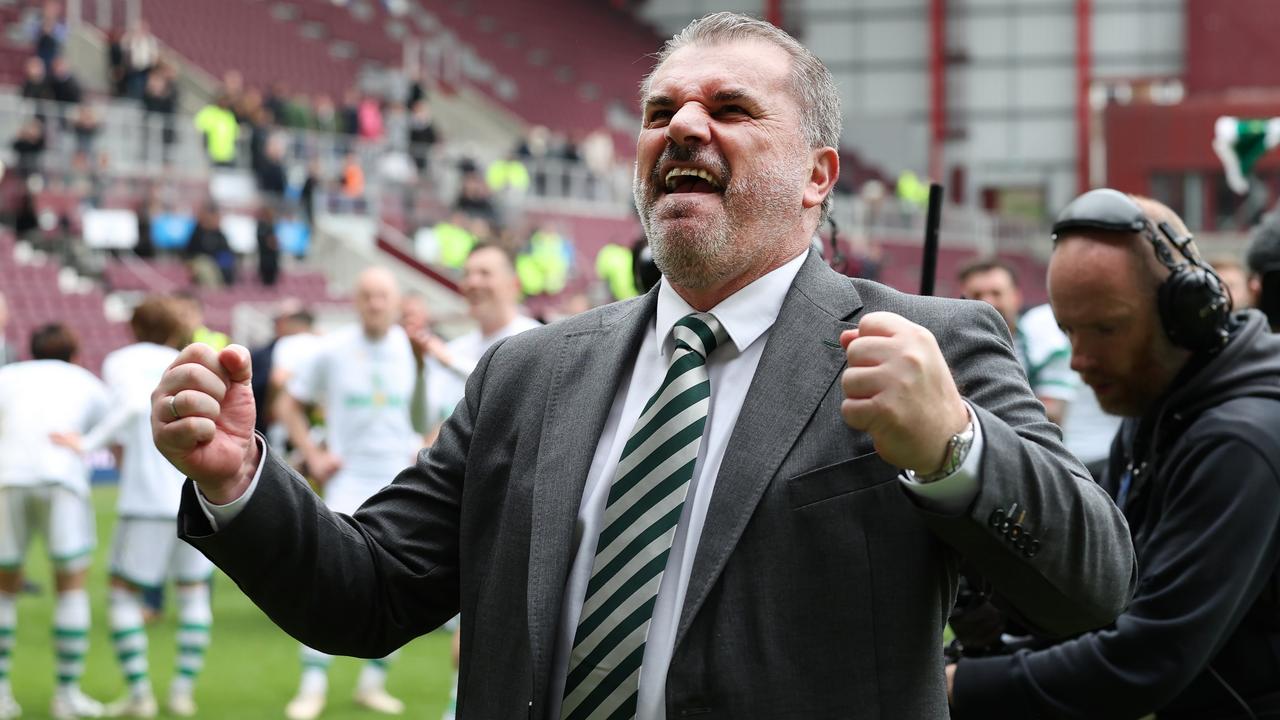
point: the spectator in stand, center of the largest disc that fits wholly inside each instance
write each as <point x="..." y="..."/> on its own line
<point x="270" y="169"/>
<point x="395" y="126"/>
<point x="49" y="34"/>
<point x="28" y="146"/>
<point x="297" y="112"/>
<point x="63" y="83"/>
<point x="423" y="135"/>
<point x="86" y="127"/>
<point x="352" y="182"/>
<point x="237" y="96"/>
<point x="35" y="81"/>
<point x="474" y="198"/>
<point x="142" y="53"/>
<point x="160" y="100"/>
<point x="417" y="92"/>
<point x="326" y="118"/>
<point x="117" y="66"/>
<point x="507" y="176"/>
<point x="369" y="119"/>
<point x="276" y="100"/>
<point x="209" y="255"/>
<point x="268" y="246"/>
<point x="221" y="131"/>
<point x="308" y="195"/>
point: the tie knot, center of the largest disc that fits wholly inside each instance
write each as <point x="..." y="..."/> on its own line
<point x="701" y="333"/>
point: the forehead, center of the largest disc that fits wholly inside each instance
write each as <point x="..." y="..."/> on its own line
<point x="992" y="276"/>
<point x="748" y="65"/>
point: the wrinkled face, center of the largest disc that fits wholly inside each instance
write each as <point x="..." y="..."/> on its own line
<point x="414" y="313"/>
<point x="377" y="302"/>
<point x="721" y="161"/>
<point x="1109" y="313"/>
<point x="996" y="288"/>
<point x="489" y="283"/>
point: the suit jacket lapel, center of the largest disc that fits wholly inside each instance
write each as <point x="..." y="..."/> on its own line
<point x="797" y="368"/>
<point x="588" y="370"/>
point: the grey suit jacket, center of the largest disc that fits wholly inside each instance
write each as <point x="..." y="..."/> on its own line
<point x="819" y="589"/>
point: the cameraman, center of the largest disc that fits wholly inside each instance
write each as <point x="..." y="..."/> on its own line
<point x="1195" y="469"/>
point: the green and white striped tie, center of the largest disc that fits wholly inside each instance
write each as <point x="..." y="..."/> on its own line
<point x="644" y="505"/>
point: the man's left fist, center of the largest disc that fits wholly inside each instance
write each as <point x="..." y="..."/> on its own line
<point x="899" y="390"/>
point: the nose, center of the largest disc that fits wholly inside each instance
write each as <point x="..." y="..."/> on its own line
<point x="1081" y="359"/>
<point x="689" y="126"/>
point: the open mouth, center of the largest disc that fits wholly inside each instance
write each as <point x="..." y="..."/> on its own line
<point x="692" y="180"/>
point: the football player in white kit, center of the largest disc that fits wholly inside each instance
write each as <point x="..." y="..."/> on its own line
<point x="44" y="489"/>
<point x="363" y="376"/>
<point x="146" y="551"/>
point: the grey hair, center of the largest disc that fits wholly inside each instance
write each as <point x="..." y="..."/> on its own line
<point x="811" y="81"/>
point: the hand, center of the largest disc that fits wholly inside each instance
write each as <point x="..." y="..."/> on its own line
<point x="899" y="390"/>
<point x="322" y="464"/>
<point x="211" y="438"/>
<point x="68" y="440"/>
<point x="439" y="349"/>
<point x="951" y="683"/>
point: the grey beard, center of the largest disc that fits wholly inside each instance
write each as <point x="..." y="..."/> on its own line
<point x="755" y="209"/>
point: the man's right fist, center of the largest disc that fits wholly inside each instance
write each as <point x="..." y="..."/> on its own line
<point x="202" y="417"/>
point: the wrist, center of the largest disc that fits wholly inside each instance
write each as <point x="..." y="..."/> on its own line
<point x="955" y="450"/>
<point x="232" y="490"/>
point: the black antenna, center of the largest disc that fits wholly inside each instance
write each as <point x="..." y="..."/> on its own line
<point x="929" y="266"/>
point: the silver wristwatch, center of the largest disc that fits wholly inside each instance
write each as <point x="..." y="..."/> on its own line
<point x="957" y="451"/>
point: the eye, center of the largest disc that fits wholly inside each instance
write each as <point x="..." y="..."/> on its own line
<point x="732" y="110"/>
<point x="658" y="116"/>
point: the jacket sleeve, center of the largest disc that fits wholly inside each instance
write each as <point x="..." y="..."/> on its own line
<point x="1210" y="555"/>
<point x="1052" y="544"/>
<point x="359" y="585"/>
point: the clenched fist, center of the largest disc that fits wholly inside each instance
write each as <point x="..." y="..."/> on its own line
<point x="202" y="418"/>
<point x="899" y="390"/>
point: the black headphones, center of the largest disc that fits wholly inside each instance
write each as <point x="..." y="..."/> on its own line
<point x="1194" y="303"/>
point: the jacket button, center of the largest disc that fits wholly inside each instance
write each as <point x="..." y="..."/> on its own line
<point x="997" y="517"/>
<point x="1021" y="542"/>
<point x="1032" y="548"/>
<point x="1015" y="531"/>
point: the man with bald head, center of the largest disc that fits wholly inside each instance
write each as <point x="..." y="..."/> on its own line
<point x="1195" y="468"/>
<point x="363" y="377"/>
<point x="745" y="494"/>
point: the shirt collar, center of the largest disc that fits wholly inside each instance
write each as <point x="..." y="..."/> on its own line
<point x="745" y="315"/>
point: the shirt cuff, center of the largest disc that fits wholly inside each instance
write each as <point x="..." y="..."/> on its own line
<point x="221" y="515"/>
<point x="952" y="494"/>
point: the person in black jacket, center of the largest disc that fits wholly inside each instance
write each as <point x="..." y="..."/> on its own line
<point x="1195" y="468"/>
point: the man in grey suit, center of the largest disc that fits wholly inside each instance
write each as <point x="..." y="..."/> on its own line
<point x="746" y="494"/>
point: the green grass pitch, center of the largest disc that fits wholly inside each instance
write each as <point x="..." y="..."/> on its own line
<point x="251" y="669"/>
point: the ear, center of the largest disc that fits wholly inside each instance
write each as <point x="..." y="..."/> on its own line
<point x="825" y="169"/>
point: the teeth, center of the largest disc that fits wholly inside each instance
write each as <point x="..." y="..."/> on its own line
<point x="681" y="172"/>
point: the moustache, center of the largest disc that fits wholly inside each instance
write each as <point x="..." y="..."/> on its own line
<point x="697" y="155"/>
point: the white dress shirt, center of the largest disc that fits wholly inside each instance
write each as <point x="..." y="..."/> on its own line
<point x="747" y="317"/>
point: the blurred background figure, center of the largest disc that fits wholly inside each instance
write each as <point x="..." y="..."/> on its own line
<point x="1236" y="278"/>
<point x="44" y="489"/>
<point x="363" y="378"/>
<point x="1043" y="350"/>
<point x="1264" y="269"/>
<point x="145" y="552"/>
